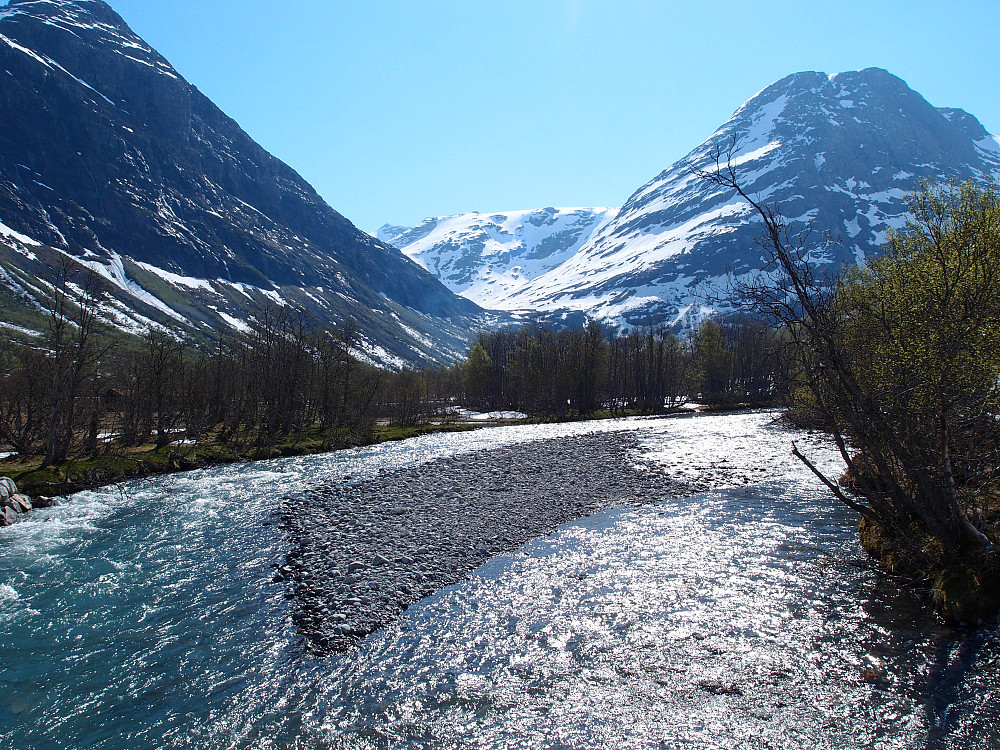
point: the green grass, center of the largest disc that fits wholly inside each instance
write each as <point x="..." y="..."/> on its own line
<point x="75" y="475"/>
<point x="146" y="460"/>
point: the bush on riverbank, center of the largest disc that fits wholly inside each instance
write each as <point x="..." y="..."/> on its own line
<point x="909" y="379"/>
<point x="914" y="381"/>
<point x="900" y="362"/>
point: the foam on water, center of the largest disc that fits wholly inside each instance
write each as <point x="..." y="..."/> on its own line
<point x="744" y="617"/>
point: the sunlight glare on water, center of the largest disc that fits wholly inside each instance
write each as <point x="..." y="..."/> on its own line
<point x="745" y="616"/>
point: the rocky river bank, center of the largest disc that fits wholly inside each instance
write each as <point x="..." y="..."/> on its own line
<point x="14" y="505"/>
<point x="363" y="551"/>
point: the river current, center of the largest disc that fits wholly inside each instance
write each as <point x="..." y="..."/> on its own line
<point x="145" y="616"/>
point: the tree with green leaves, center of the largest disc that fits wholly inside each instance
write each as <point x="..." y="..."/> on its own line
<point x="900" y="362"/>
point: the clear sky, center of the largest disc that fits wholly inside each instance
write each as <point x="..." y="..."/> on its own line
<point x="397" y="110"/>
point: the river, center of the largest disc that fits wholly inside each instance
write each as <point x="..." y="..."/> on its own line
<point x="747" y="616"/>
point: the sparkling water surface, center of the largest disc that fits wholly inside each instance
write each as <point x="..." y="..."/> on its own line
<point x="145" y="617"/>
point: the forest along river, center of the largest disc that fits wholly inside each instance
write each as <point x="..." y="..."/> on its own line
<point x="743" y="615"/>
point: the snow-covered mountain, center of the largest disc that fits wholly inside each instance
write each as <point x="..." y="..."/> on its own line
<point x="488" y="257"/>
<point x="110" y="161"/>
<point x="837" y="154"/>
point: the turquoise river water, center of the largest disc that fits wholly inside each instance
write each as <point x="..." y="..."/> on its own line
<point x="145" y="616"/>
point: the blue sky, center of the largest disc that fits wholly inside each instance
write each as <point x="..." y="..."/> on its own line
<point x="399" y="110"/>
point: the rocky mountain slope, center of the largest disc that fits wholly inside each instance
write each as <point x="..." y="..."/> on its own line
<point x="837" y="154"/>
<point x="486" y="257"/>
<point x="110" y="160"/>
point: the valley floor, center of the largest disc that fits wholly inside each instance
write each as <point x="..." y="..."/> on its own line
<point x="363" y="552"/>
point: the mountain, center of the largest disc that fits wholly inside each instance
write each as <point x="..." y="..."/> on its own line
<point x="110" y="160"/>
<point x="837" y="154"/>
<point x="486" y="257"/>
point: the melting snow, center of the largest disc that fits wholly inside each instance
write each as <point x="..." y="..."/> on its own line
<point x="274" y="297"/>
<point x="115" y="273"/>
<point x="373" y="354"/>
<point x="236" y="323"/>
<point x="990" y="143"/>
<point x="19" y="329"/>
<point x="6" y="231"/>
<point x="177" y="279"/>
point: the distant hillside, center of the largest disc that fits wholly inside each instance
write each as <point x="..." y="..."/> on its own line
<point x="486" y="257"/>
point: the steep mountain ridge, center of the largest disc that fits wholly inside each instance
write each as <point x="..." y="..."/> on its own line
<point x="837" y="154"/>
<point x="115" y="160"/>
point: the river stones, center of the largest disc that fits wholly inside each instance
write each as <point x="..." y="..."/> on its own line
<point x="12" y="503"/>
<point x="460" y="511"/>
<point x="20" y="503"/>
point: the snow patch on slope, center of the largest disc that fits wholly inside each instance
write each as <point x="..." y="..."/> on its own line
<point x="485" y="257"/>
<point x="114" y="271"/>
<point x="6" y="231"/>
<point x="176" y="279"/>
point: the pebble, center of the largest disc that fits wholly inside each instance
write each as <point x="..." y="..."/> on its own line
<point x="460" y="512"/>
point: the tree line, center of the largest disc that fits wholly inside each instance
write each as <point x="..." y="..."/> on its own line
<point x="84" y="390"/>
<point x="559" y="373"/>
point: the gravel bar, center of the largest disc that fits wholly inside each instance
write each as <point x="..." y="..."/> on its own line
<point x="364" y="551"/>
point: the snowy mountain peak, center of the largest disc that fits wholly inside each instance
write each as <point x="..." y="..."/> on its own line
<point x="836" y="153"/>
<point x="485" y="257"/>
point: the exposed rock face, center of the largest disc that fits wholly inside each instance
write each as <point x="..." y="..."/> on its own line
<point x="837" y="154"/>
<point x="110" y="156"/>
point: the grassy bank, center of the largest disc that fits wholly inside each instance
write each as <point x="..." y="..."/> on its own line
<point x="120" y="465"/>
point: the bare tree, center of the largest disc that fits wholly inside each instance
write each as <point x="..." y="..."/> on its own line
<point x="898" y="481"/>
<point x="75" y="347"/>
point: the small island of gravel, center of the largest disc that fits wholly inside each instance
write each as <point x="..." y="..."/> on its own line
<point x="364" y="551"/>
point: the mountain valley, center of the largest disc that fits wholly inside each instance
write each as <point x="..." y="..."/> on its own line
<point x="836" y="155"/>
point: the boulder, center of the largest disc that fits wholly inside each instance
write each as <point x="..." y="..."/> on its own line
<point x="45" y="502"/>
<point x="20" y="503"/>
<point x="12" y="503"/>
